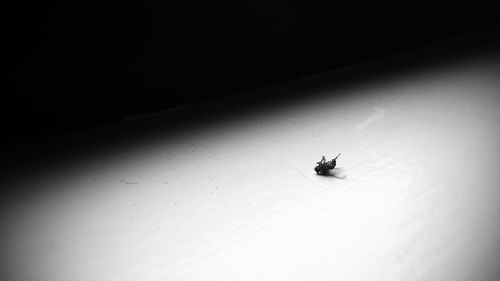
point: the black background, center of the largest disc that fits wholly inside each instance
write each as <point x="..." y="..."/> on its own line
<point x="79" y="64"/>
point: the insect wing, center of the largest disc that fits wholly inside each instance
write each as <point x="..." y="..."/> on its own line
<point x="339" y="173"/>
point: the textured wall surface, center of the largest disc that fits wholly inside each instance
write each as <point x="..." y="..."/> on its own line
<point x="238" y="199"/>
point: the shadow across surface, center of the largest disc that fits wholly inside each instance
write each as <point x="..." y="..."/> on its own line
<point x="37" y="154"/>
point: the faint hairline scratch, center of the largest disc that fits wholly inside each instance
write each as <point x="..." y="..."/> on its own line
<point x="299" y="172"/>
<point x="128" y="182"/>
<point x="378" y="114"/>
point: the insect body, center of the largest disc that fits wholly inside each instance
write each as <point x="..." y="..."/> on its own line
<point x="324" y="167"/>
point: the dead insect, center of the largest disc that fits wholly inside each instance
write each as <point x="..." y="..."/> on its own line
<point x="324" y="167"/>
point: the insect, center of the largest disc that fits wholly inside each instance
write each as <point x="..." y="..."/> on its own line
<point x="324" y="167"/>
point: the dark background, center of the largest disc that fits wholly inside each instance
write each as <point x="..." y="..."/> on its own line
<point x="79" y="64"/>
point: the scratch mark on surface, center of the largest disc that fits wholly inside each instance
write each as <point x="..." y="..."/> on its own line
<point x="128" y="182"/>
<point x="379" y="113"/>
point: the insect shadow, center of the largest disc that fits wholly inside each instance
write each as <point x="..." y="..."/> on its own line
<point x="338" y="173"/>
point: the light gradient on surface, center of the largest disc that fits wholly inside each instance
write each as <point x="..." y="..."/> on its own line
<point x="240" y="200"/>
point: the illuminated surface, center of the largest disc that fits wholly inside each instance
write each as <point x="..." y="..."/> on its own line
<point x="240" y="200"/>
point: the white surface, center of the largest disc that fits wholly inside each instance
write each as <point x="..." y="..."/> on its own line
<point x="240" y="201"/>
